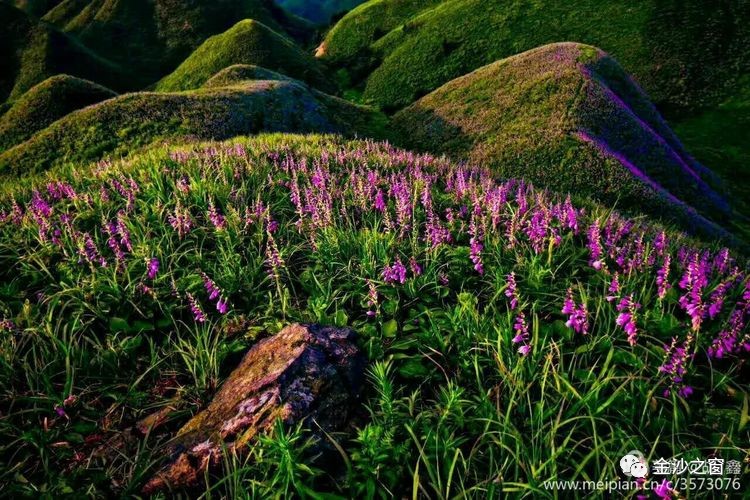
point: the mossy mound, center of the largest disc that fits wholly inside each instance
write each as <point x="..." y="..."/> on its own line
<point x="565" y="116"/>
<point x="45" y="103"/>
<point x="31" y="52"/>
<point x="247" y="42"/>
<point x="120" y="125"/>
<point x="153" y="37"/>
<point x="238" y="73"/>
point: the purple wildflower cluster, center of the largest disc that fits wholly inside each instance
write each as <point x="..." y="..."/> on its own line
<point x="522" y="334"/>
<point x="214" y="294"/>
<point x="395" y="273"/>
<point x="628" y="309"/>
<point x="512" y="292"/>
<point x="675" y="366"/>
<point x="578" y="315"/>
<point x="414" y="198"/>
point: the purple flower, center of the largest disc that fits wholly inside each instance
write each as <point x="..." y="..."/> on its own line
<point x="222" y="305"/>
<point x="274" y="261"/>
<point x="662" y="277"/>
<point x="627" y="317"/>
<point x="215" y="217"/>
<point x="195" y="308"/>
<point x="511" y="291"/>
<point x="522" y="334"/>
<point x="578" y="314"/>
<point x="394" y="273"/>
<point x="614" y="288"/>
<point x="416" y="269"/>
<point x="180" y="220"/>
<point x="663" y="490"/>
<point x="153" y="268"/>
<point x="380" y="201"/>
<point x="212" y="288"/>
<point x="727" y="341"/>
<point x="595" y="246"/>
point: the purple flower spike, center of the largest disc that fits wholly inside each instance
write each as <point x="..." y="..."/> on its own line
<point x="511" y="291"/>
<point x="195" y="308"/>
<point x="222" y="305"/>
<point x="153" y="268"/>
<point x="627" y="317"/>
<point x="395" y="273"/>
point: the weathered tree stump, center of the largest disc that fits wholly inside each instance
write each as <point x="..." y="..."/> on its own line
<point x="305" y="372"/>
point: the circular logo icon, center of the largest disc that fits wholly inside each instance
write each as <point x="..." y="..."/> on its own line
<point x="634" y="464"/>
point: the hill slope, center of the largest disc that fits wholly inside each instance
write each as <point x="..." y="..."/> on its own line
<point x="685" y="54"/>
<point x="153" y="37"/>
<point x="46" y="102"/>
<point x="237" y="73"/>
<point x="31" y="52"/>
<point x="122" y="124"/>
<point x="247" y="42"/>
<point x="521" y="321"/>
<point x="565" y="116"/>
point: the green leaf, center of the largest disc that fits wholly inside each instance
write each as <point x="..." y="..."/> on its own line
<point x="118" y="324"/>
<point x="390" y="329"/>
<point x="341" y="319"/>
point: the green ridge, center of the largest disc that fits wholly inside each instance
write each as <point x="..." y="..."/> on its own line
<point x="567" y="117"/>
<point x="120" y="125"/>
<point x="45" y="103"/>
<point x="247" y="42"/>
<point x="31" y="52"/>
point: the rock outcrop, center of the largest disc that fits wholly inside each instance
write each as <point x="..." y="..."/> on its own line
<point x="304" y="373"/>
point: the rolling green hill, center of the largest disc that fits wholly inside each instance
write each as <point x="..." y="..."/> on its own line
<point x="45" y="103"/>
<point x="153" y="37"/>
<point x="237" y="73"/>
<point x="567" y="117"/>
<point x="35" y="7"/>
<point x="247" y="42"/>
<point x="120" y="125"/>
<point x="685" y="54"/>
<point x="31" y="52"/>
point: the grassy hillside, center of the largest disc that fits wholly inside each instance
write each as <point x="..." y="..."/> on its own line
<point x="318" y="11"/>
<point x="247" y="42"/>
<point x="683" y="53"/>
<point x="31" y="52"/>
<point x="153" y="37"/>
<point x="46" y="102"/>
<point x="565" y="116"/>
<point x="348" y="43"/>
<point x="119" y="126"/>
<point x="237" y="73"/>
<point x="35" y="7"/>
<point x="499" y="322"/>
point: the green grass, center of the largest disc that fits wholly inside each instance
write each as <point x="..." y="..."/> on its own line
<point x="123" y="124"/>
<point x="45" y="103"/>
<point x="31" y="52"/>
<point x="450" y="409"/>
<point x="237" y="73"/>
<point x="523" y="117"/>
<point x="352" y="36"/>
<point x="720" y="137"/>
<point x="152" y="37"/>
<point x="36" y="7"/>
<point x="247" y="42"/>
<point x="685" y="54"/>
